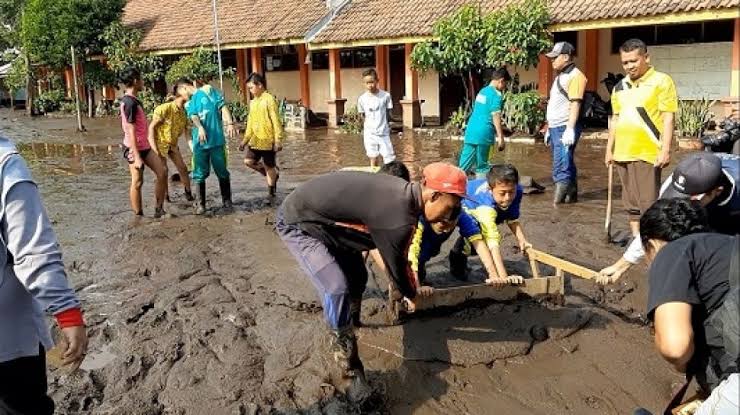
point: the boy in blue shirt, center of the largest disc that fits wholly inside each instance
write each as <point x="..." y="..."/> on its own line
<point x="494" y="200"/>
<point x="484" y="125"/>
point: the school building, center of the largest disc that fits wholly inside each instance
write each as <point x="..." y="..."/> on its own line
<point x="314" y="51"/>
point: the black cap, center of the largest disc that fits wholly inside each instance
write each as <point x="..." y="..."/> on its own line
<point x="695" y="175"/>
<point x="561" y="48"/>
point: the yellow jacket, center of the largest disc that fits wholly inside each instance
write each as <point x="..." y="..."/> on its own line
<point x="264" y="127"/>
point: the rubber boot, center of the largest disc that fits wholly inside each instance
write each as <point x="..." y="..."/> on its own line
<point x="571" y="195"/>
<point x="458" y="265"/>
<point x="200" y="200"/>
<point x="346" y="354"/>
<point x="561" y="190"/>
<point x="225" y="187"/>
<point x="355" y="311"/>
<point x="189" y="195"/>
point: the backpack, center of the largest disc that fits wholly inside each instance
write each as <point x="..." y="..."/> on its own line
<point x="587" y="104"/>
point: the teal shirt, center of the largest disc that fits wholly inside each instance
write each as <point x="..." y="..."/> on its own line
<point x="480" y="129"/>
<point x="206" y="103"/>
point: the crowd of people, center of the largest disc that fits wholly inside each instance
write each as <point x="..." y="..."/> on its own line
<point x="687" y="229"/>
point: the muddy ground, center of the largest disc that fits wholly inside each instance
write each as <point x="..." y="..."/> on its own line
<point x="210" y="315"/>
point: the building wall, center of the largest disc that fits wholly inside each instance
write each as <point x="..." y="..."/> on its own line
<point x="429" y="92"/>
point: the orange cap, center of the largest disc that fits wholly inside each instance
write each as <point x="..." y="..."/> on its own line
<point x="445" y="178"/>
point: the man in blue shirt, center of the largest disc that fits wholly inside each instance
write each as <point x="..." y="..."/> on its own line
<point x="484" y="125"/>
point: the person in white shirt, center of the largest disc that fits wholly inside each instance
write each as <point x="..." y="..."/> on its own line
<point x="375" y="106"/>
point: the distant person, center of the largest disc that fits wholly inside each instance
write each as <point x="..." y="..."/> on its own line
<point x="375" y="105"/>
<point x="641" y="131"/>
<point x="169" y="122"/>
<point x="485" y="126"/>
<point x="693" y="299"/>
<point x="210" y="116"/>
<point x="263" y="138"/>
<point x="138" y="145"/>
<point x="564" y="129"/>
<point x="394" y="168"/>
<point x="33" y="284"/>
<point x="711" y="180"/>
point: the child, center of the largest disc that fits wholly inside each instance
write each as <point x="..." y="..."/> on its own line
<point x="375" y="106"/>
<point x="494" y="200"/>
<point x="137" y="145"/>
<point x="209" y="115"/>
<point x="394" y="168"/>
<point x="264" y="135"/>
<point x="168" y="123"/>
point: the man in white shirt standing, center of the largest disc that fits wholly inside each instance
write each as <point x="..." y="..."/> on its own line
<point x="375" y="106"/>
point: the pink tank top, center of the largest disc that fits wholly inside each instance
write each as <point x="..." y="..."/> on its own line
<point x="133" y="113"/>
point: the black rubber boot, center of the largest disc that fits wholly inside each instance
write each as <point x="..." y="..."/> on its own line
<point x="458" y="265"/>
<point x="346" y="354"/>
<point x="571" y="195"/>
<point x="200" y="199"/>
<point x="561" y="190"/>
<point x="189" y="196"/>
<point x="225" y="187"/>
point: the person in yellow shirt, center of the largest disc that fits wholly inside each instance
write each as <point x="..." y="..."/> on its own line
<point x="641" y="132"/>
<point x="264" y="135"/>
<point x="169" y="122"/>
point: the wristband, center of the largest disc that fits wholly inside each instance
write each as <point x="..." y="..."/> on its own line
<point x="70" y="318"/>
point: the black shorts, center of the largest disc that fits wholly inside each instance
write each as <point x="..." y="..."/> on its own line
<point x="267" y="156"/>
<point x="129" y="156"/>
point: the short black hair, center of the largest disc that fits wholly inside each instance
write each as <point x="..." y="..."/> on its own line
<point x="396" y="168"/>
<point x="670" y="219"/>
<point x="500" y="73"/>
<point x="257" y="78"/>
<point x="129" y="76"/>
<point x="180" y="82"/>
<point x="502" y="173"/>
<point x="634" y="44"/>
<point x="370" y="72"/>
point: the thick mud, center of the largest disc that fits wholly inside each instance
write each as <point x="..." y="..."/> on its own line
<point x="210" y="315"/>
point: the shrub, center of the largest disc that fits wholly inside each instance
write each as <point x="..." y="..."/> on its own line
<point x="200" y="65"/>
<point x="523" y="111"/>
<point x="457" y="121"/>
<point x="693" y="116"/>
<point x="239" y="111"/>
<point x="149" y="100"/>
<point x="352" y="121"/>
<point x="49" y="101"/>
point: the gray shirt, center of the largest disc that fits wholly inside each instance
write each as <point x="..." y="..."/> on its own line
<point x="32" y="278"/>
<point x="375" y="108"/>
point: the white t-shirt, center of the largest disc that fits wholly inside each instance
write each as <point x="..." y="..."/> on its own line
<point x="375" y="107"/>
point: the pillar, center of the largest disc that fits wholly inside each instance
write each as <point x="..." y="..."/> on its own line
<point x="81" y="84"/>
<point x="381" y="65"/>
<point x="241" y="73"/>
<point x="109" y="93"/>
<point x="256" y="55"/>
<point x="410" y="103"/>
<point x="336" y="102"/>
<point x="591" y="59"/>
<point x="544" y="76"/>
<point x="69" y="82"/>
<point x="732" y="102"/>
<point x="305" y="76"/>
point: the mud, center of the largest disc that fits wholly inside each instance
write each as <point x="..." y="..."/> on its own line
<point x="210" y="315"/>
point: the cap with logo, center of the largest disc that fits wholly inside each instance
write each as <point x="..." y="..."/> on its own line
<point x="445" y="178"/>
<point x="695" y="175"/>
<point x="561" y="48"/>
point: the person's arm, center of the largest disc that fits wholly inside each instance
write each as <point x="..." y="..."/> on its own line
<point x="389" y="110"/>
<point x="674" y="334"/>
<point x="37" y="260"/>
<point x="518" y="231"/>
<point x="202" y="137"/>
<point x="277" y="124"/>
<point x="375" y="255"/>
<point x="486" y="218"/>
<point x="393" y="247"/>
<point x="228" y="121"/>
<point x="576" y="90"/>
<point x="667" y="105"/>
<point x="481" y="248"/>
<point x="129" y="112"/>
<point x="497" y="123"/>
<point x="156" y="122"/>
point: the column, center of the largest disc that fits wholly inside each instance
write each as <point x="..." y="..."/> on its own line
<point x="336" y="102"/>
<point x="591" y="59"/>
<point x="381" y="65"/>
<point x="544" y="76"/>
<point x="256" y="55"/>
<point x="410" y="103"/>
<point x="732" y="102"/>
<point x="69" y="82"/>
<point x="305" y="76"/>
<point x="241" y="73"/>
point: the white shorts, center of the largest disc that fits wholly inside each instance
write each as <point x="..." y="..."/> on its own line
<point x="376" y="145"/>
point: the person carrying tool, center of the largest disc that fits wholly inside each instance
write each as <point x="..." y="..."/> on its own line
<point x="694" y="292"/>
<point x="32" y="284"/>
<point x="328" y="222"/>
<point x="641" y="131"/>
<point x="494" y="200"/>
<point x="711" y="180"/>
<point x="564" y="128"/>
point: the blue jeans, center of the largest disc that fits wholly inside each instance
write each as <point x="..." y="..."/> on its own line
<point x="563" y="158"/>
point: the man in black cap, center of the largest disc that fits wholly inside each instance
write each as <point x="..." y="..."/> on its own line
<point x="709" y="179"/>
<point x="564" y="130"/>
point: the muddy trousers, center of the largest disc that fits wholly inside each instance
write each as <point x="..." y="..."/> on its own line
<point x="23" y="386"/>
<point x="563" y="157"/>
<point x="339" y="276"/>
<point x="203" y="159"/>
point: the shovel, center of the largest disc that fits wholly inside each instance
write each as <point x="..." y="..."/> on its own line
<point x="608" y="221"/>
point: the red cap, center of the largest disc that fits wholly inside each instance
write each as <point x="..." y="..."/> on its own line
<point x="445" y="178"/>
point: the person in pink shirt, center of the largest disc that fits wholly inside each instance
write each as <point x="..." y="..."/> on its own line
<point x="137" y="145"/>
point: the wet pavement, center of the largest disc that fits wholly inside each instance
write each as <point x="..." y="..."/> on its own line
<point x="192" y="315"/>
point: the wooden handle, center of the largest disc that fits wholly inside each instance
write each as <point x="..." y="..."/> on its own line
<point x="561" y="264"/>
<point x="608" y="221"/>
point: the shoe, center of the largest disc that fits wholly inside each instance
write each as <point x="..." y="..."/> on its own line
<point x="561" y="190"/>
<point x="458" y="265"/>
<point x="159" y="212"/>
<point x="355" y="311"/>
<point x="225" y="187"/>
<point x="346" y="354"/>
<point x="571" y="195"/>
<point x="200" y="202"/>
<point x="189" y="196"/>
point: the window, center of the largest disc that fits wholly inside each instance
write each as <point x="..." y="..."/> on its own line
<point x="675" y="34"/>
<point x="281" y="58"/>
<point x="228" y="58"/>
<point x="348" y="58"/>
<point x="570" y="37"/>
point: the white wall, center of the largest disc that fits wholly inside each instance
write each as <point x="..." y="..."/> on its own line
<point x="429" y="92"/>
<point x="285" y="84"/>
<point x="701" y="70"/>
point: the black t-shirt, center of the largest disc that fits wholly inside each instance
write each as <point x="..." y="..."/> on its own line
<point x="693" y="270"/>
<point x="130" y="108"/>
<point x="357" y="211"/>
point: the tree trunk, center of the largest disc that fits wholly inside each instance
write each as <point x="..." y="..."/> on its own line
<point x="90" y="102"/>
<point x="30" y="90"/>
<point x="12" y="100"/>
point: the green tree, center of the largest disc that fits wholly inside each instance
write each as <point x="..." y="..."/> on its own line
<point x="96" y="76"/>
<point x="518" y="34"/>
<point x="16" y="78"/>
<point x="10" y="20"/>
<point x="122" y="50"/>
<point x="200" y="65"/>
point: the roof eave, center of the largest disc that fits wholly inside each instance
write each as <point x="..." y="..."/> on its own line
<point x="668" y="18"/>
